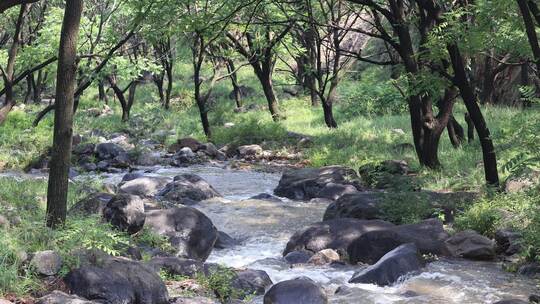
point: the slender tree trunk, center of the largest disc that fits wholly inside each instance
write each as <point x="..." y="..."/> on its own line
<point x="470" y="128"/>
<point x="158" y="81"/>
<point x="170" y="80"/>
<point x="131" y="96"/>
<point x="28" y="94"/>
<point x="63" y="119"/>
<point x="121" y="98"/>
<point x="10" y="67"/>
<point x="234" y="81"/>
<point x="102" y="92"/>
<point x="455" y="132"/>
<point x="38" y="86"/>
<point x="531" y="31"/>
<point x="467" y="93"/>
<point x="268" y="89"/>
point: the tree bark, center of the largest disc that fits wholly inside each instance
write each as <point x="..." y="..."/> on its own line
<point x="234" y="82"/>
<point x="531" y="31"/>
<point x="63" y="119"/>
<point x="102" y="92"/>
<point x="467" y="93"/>
<point x="268" y="89"/>
<point x="455" y="132"/>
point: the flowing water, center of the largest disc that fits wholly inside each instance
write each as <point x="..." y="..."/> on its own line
<point x="265" y="227"/>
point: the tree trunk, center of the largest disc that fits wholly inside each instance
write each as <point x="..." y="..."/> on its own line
<point x="531" y="31"/>
<point x="63" y="119"/>
<point x="234" y="81"/>
<point x="467" y="93"/>
<point x="121" y="98"/>
<point x="158" y="81"/>
<point x="28" y="94"/>
<point x="38" y="86"/>
<point x="10" y="67"/>
<point x="268" y="89"/>
<point x="168" y="90"/>
<point x="102" y="92"/>
<point x="455" y="132"/>
<point x="131" y="96"/>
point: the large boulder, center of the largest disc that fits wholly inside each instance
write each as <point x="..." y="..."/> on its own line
<point x="393" y="265"/>
<point x="58" y="297"/>
<point x="126" y="212"/>
<point x="189" y="230"/>
<point x="300" y="290"/>
<point x="471" y="245"/>
<point x="108" y="151"/>
<point x="95" y="283"/>
<point x="360" y="205"/>
<point x="144" y="186"/>
<point x="251" y="282"/>
<point x="188" y="189"/>
<point x="429" y="237"/>
<point x="334" y="234"/>
<point x="307" y="183"/>
<point x="46" y="262"/>
<point x="176" y="266"/>
<point x="92" y="204"/>
<point x="148" y="287"/>
<point x="508" y="242"/>
<point x="225" y="241"/>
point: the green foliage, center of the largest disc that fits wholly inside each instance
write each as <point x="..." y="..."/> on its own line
<point x="220" y="280"/>
<point x="147" y="237"/>
<point x="406" y="207"/>
<point x="482" y="217"/>
<point x="371" y="96"/>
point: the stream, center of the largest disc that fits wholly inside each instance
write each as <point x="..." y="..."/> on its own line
<point x="264" y="227"/>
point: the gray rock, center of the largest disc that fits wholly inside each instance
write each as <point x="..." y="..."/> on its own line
<point x="393" y="265"/>
<point x="429" y="237"/>
<point x="148" y="287"/>
<point x="298" y="257"/>
<point x="46" y="263"/>
<point x="209" y="149"/>
<point x="188" y="230"/>
<point x="307" y="183"/>
<point x="511" y="301"/>
<point x="99" y="284"/>
<point x="58" y="297"/>
<point x="108" y="151"/>
<point x="125" y="212"/>
<point x="225" y="241"/>
<point x="508" y="242"/>
<point x="92" y="204"/>
<point x="145" y="186"/>
<point x="177" y="266"/>
<point x="334" y="234"/>
<point x="360" y="205"/>
<point x="531" y="270"/>
<point x="188" y="189"/>
<point x="300" y="290"/>
<point x="249" y="150"/>
<point x="471" y="245"/>
<point x="266" y="197"/>
<point x="251" y="282"/>
<point x="334" y="191"/>
<point x="194" y="300"/>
